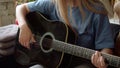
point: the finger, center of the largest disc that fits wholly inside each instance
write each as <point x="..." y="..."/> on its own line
<point x="99" y="54"/>
<point x="96" y="58"/>
<point x="24" y="43"/>
<point x="92" y="58"/>
<point x="21" y="42"/>
<point x="33" y="39"/>
<point x="99" y="63"/>
<point x="102" y="61"/>
<point x="93" y="61"/>
<point x="27" y="45"/>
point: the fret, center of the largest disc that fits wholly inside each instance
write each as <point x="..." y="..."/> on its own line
<point x="87" y="54"/>
<point x="118" y="63"/>
<point x="110" y="58"/>
<point x="75" y="52"/>
<point x="82" y="52"/>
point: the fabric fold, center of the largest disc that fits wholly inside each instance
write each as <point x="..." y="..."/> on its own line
<point x="5" y="45"/>
<point x="7" y="52"/>
<point x="8" y="32"/>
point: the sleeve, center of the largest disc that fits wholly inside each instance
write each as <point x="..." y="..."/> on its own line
<point x="42" y="6"/>
<point x="103" y="33"/>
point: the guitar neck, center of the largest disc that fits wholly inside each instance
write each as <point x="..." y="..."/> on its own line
<point x="83" y="52"/>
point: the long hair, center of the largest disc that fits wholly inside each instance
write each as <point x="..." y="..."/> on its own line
<point x="62" y="7"/>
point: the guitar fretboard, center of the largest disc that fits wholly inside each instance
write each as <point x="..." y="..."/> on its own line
<point x="83" y="52"/>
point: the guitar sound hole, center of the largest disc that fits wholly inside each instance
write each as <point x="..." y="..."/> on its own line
<point x="46" y="43"/>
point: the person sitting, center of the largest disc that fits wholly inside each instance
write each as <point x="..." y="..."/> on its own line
<point x="90" y="22"/>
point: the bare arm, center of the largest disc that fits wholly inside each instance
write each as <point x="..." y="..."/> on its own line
<point x="21" y="11"/>
<point x="25" y="35"/>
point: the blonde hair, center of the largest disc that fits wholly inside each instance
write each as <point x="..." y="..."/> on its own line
<point x="62" y="6"/>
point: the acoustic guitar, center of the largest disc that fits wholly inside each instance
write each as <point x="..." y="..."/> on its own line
<point x="55" y="45"/>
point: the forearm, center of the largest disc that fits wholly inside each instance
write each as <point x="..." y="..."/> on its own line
<point x="21" y="12"/>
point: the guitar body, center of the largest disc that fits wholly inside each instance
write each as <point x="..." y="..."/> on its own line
<point x="39" y="25"/>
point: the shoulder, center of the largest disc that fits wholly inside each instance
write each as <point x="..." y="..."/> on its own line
<point x="40" y="5"/>
<point x="40" y="2"/>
